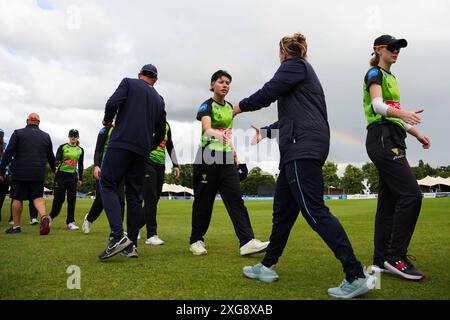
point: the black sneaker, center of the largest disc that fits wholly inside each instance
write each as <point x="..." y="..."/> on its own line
<point x="130" y="251"/>
<point x="404" y="268"/>
<point x="12" y="230"/>
<point x="114" y="247"/>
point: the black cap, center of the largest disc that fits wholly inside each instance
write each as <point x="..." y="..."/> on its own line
<point x="150" y="69"/>
<point x="387" y="39"/>
<point x="74" y="133"/>
<point x="243" y="171"/>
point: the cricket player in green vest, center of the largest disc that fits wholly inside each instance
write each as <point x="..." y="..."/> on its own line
<point x="216" y="170"/>
<point x="153" y="183"/>
<point x="69" y="174"/>
<point x="96" y="209"/>
<point x="399" y="196"/>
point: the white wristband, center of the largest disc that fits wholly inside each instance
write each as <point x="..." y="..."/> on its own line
<point x="407" y="126"/>
<point x="379" y="106"/>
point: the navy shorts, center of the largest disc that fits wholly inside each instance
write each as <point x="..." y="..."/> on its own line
<point x="26" y="190"/>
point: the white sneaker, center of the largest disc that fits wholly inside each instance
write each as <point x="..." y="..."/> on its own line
<point x="34" y="221"/>
<point x="198" y="248"/>
<point x="72" y="226"/>
<point x="155" y="240"/>
<point x="253" y="246"/>
<point x="86" y="227"/>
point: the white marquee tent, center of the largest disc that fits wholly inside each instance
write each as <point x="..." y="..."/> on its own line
<point x="174" y="188"/>
<point x="431" y="181"/>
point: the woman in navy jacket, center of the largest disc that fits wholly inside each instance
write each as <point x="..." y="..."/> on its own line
<point x="304" y="137"/>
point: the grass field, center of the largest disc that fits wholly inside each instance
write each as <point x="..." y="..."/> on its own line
<point x="34" y="267"/>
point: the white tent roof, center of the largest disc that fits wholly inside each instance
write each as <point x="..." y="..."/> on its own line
<point x="432" y="181"/>
<point x="176" y="189"/>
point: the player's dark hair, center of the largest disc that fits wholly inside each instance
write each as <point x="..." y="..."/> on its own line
<point x="220" y="73"/>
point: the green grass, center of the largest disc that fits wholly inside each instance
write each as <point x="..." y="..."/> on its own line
<point x="34" y="267"/>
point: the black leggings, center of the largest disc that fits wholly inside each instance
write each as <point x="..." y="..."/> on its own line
<point x="65" y="182"/>
<point x="4" y="185"/>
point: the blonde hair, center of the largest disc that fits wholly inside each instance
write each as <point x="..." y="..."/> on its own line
<point x="294" y="45"/>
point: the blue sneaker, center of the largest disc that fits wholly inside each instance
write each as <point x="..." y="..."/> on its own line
<point x="358" y="287"/>
<point x="261" y="273"/>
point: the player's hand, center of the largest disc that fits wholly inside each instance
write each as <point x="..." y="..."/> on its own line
<point x="79" y="183"/>
<point x="425" y="141"/>
<point x="224" y="136"/>
<point x="257" y="137"/>
<point x="97" y="172"/>
<point x="411" y="117"/>
<point x="107" y="124"/>
<point x="236" y="160"/>
<point x="176" y="172"/>
<point x="236" y="110"/>
<point x="2" y="178"/>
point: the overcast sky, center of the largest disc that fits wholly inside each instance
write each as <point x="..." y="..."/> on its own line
<point x="63" y="59"/>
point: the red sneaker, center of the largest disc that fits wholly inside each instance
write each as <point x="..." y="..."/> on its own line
<point x="45" y="225"/>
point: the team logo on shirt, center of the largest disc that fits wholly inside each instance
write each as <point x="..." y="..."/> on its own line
<point x="398" y="153"/>
<point x="204" y="178"/>
<point x="203" y="107"/>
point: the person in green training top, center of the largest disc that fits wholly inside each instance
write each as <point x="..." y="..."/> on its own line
<point x="215" y="170"/>
<point x="97" y="206"/>
<point x="399" y="196"/>
<point x="153" y="183"/>
<point x="69" y="164"/>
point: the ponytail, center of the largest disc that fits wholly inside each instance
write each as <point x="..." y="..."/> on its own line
<point x="375" y="60"/>
<point x="295" y="45"/>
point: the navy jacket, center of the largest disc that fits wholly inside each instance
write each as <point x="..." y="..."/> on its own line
<point x="31" y="148"/>
<point x="303" y="129"/>
<point x="141" y="121"/>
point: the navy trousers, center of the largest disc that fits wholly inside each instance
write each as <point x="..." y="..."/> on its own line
<point x="117" y="165"/>
<point x="300" y="188"/>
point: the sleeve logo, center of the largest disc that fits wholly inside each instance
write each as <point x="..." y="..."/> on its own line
<point x="372" y="73"/>
<point x="203" y="107"/>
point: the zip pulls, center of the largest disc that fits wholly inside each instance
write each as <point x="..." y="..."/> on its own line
<point x="382" y="141"/>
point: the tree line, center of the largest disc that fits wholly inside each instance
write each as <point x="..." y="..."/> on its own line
<point x="350" y="183"/>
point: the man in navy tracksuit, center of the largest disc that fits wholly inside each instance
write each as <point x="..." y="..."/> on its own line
<point x="139" y="127"/>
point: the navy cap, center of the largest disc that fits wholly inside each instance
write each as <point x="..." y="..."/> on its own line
<point x="151" y="69"/>
<point x="74" y="133"/>
<point x="388" y="39"/>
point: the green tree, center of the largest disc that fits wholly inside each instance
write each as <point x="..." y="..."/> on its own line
<point x="371" y="174"/>
<point x="88" y="184"/>
<point x="330" y="177"/>
<point x="256" y="177"/>
<point x="186" y="176"/>
<point x="49" y="181"/>
<point x="351" y="181"/>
